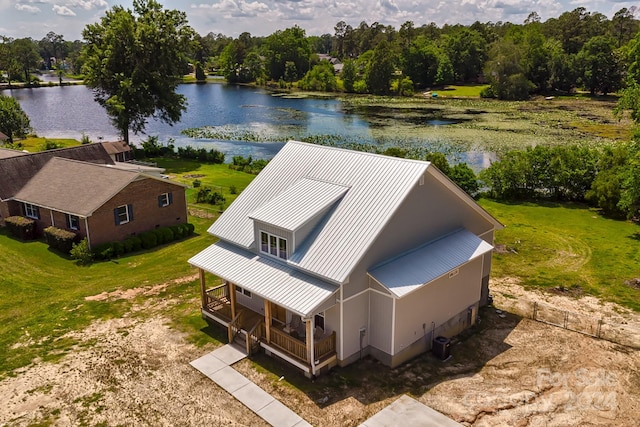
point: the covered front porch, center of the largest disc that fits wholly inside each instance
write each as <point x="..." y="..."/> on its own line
<point x="278" y="330"/>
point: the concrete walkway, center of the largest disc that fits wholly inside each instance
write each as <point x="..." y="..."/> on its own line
<point x="217" y="366"/>
<point x="407" y="411"/>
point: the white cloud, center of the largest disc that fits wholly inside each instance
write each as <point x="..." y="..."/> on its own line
<point x="27" y="8"/>
<point x="63" y="10"/>
<point x="87" y="4"/>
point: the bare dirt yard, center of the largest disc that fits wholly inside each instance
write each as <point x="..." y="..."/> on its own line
<point x="509" y="371"/>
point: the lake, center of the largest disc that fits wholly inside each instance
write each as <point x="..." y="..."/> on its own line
<point x="70" y="112"/>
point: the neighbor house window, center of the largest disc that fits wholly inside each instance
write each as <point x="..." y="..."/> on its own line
<point x="73" y="222"/>
<point x="273" y="245"/>
<point x="165" y="199"/>
<point x="31" y="211"/>
<point x="123" y="214"/>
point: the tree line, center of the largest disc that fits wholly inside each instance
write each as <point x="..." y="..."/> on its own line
<point x="578" y="49"/>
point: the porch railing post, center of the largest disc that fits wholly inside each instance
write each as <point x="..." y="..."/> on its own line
<point x="267" y="320"/>
<point x="232" y="298"/>
<point x="203" y="287"/>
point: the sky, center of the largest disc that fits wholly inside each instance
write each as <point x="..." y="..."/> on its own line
<point x="35" y="18"/>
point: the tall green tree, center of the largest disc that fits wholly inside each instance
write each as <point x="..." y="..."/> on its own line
<point x="26" y="56"/>
<point x="380" y="69"/>
<point x="14" y="122"/>
<point x="601" y="65"/>
<point x="288" y="46"/>
<point x="134" y="61"/>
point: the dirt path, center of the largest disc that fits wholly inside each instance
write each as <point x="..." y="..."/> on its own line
<point x="512" y="372"/>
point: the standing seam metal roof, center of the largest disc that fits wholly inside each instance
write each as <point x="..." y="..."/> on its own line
<point x="265" y="277"/>
<point x="416" y="268"/>
<point x="299" y="203"/>
<point x="377" y="185"/>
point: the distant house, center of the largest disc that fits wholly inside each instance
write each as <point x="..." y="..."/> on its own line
<point x="81" y="189"/>
<point x="337" y="64"/>
<point x="119" y="151"/>
<point x="3" y="137"/>
<point x="330" y="255"/>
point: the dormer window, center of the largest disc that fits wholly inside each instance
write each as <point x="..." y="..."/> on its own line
<point x="273" y="245"/>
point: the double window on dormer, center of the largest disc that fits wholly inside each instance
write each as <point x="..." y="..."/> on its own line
<point x="273" y="245"/>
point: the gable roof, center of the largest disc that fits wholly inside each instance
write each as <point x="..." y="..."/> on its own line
<point x="115" y="147"/>
<point x="74" y="187"/>
<point x="16" y="171"/>
<point x="302" y="201"/>
<point x="77" y="188"/>
<point x="6" y="153"/>
<point x="3" y="137"/>
<point x="377" y="185"/>
<point x="416" y="268"/>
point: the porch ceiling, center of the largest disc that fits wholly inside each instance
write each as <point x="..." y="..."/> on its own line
<point x="414" y="269"/>
<point x="269" y="279"/>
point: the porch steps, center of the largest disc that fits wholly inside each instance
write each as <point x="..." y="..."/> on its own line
<point x="216" y="366"/>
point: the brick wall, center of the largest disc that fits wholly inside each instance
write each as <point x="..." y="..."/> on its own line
<point x="143" y="196"/>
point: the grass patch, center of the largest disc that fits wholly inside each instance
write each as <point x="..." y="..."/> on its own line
<point x="467" y="91"/>
<point x="35" y="143"/>
<point x="569" y="246"/>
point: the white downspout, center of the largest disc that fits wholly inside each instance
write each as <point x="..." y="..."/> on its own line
<point x="313" y="350"/>
<point x="86" y="228"/>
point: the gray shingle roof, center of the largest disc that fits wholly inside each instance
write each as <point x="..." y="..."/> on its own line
<point x="16" y="171"/>
<point x="74" y="187"/>
<point x="6" y="153"/>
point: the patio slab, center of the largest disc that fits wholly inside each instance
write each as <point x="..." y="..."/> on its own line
<point x="229" y="379"/>
<point x="253" y="397"/>
<point x="408" y="411"/>
<point x="278" y="415"/>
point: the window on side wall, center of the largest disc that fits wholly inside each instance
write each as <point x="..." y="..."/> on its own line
<point x="31" y="211"/>
<point x="73" y="222"/>
<point x="123" y="214"/>
<point x="319" y="320"/>
<point x="165" y="199"/>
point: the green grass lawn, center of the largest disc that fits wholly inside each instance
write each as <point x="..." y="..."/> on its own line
<point x="568" y="245"/>
<point x="35" y="143"/>
<point x="471" y="91"/>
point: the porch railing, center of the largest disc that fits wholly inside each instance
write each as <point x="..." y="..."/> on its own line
<point x="254" y="336"/>
<point x="289" y="344"/>
<point x="217" y="301"/>
<point x="235" y="326"/>
<point x="325" y="346"/>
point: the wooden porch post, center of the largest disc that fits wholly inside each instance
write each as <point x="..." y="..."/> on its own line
<point x="267" y="320"/>
<point x="232" y="298"/>
<point x="203" y="287"/>
<point x="310" y="341"/>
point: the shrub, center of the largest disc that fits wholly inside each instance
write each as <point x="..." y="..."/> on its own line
<point x="60" y="239"/>
<point x="133" y="244"/>
<point x="190" y="228"/>
<point x="81" y="252"/>
<point x="197" y="183"/>
<point x="118" y="249"/>
<point x="165" y="233"/>
<point x="233" y="189"/>
<point x="103" y="251"/>
<point x="178" y="232"/>
<point x="149" y="239"/>
<point x="21" y="227"/>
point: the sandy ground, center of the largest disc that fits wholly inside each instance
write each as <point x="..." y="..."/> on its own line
<point x="511" y="372"/>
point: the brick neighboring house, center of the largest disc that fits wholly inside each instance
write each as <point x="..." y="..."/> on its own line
<point x="82" y="190"/>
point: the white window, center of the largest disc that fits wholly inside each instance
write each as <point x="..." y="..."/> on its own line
<point x="243" y="291"/>
<point x="31" y="211"/>
<point x="273" y="245"/>
<point x="123" y="214"/>
<point x="73" y="222"/>
<point x="165" y="199"/>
